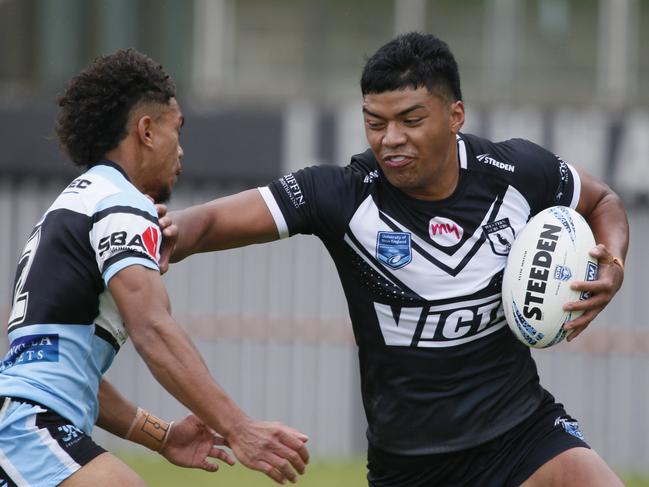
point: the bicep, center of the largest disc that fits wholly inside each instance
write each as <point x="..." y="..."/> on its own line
<point x="141" y="298"/>
<point x="591" y="193"/>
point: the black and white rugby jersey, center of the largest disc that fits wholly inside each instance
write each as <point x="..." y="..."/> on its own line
<point x="440" y="370"/>
<point x="65" y="328"/>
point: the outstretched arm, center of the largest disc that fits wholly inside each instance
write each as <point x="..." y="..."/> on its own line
<point x="141" y="297"/>
<point x="187" y="443"/>
<point x="228" y="222"/>
<point x="606" y="216"/>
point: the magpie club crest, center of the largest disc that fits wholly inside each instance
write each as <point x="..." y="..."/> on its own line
<point x="500" y="235"/>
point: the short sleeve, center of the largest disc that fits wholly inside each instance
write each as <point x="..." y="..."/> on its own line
<point x="315" y="200"/>
<point x="125" y="232"/>
<point x="543" y="177"/>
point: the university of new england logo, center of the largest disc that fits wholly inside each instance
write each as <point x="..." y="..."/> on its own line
<point x="393" y="249"/>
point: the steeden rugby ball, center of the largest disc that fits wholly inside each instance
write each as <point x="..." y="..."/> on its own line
<point x="548" y="254"/>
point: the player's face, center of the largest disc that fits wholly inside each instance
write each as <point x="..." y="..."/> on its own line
<point x="165" y="167"/>
<point x="412" y="134"/>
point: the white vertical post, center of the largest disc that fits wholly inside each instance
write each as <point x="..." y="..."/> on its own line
<point x="350" y="132"/>
<point x="617" y="65"/>
<point x="500" y="46"/>
<point x="60" y="25"/>
<point x="300" y="136"/>
<point x="214" y="31"/>
<point x="118" y="25"/>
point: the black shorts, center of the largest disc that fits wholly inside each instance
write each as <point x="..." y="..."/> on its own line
<point x="507" y="460"/>
<point x="39" y="447"/>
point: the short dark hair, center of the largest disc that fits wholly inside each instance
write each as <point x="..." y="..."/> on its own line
<point x="96" y="104"/>
<point x="413" y="60"/>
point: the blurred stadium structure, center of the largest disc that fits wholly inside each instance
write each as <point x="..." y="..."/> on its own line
<point x="269" y="87"/>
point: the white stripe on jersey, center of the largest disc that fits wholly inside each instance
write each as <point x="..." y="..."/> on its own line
<point x="426" y="278"/>
<point x="86" y="202"/>
<point x="576" y="191"/>
<point x="109" y="318"/>
<point x="8" y="467"/>
<point x="442" y="326"/>
<point x="433" y="344"/>
<point x="461" y="152"/>
<point x="371" y="263"/>
<point x="51" y="443"/>
<point x="5" y="406"/>
<point x="273" y="207"/>
<point x="450" y="260"/>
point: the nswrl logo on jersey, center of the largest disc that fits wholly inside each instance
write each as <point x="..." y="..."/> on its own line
<point x="569" y="425"/>
<point x="501" y="236"/>
<point x="394" y="249"/>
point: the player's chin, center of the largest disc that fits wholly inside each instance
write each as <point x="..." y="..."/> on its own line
<point x="163" y="195"/>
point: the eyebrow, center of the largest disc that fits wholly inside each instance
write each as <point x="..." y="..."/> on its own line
<point x="400" y="114"/>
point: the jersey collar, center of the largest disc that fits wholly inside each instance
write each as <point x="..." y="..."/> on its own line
<point x="461" y="151"/>
<point x="114" y="165"/>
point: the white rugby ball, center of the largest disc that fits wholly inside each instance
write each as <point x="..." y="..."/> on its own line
<point x="548" y="254"/>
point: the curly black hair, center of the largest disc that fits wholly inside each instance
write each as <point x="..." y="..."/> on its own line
<point x="96" y="104"/>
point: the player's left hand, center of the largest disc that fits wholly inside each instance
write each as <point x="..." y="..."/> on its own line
<point x="608" y="282"/>
<point x="169" y="237"/>
<point x="191" y="442"/>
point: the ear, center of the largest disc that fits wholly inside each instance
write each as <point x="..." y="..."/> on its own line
<point x="144" y="129"/>
<point x="456" y="115"/>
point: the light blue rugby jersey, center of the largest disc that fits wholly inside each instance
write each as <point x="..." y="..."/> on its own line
<point x="64" y="328"/>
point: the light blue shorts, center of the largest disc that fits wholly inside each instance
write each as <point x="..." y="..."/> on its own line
<point x="39" y="448"/>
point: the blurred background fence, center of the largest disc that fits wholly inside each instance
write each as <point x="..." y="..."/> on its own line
<point x="271" y="86"/>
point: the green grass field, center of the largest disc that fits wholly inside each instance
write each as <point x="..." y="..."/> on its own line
<point x="158" y="473"/>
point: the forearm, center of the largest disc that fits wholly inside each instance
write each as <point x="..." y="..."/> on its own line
<point x="143" y="303"/>
<point x="229" y="222"/>
<point x="178" y="367"/>
<point x="120" y="417"/>
<point x="193" y="224"/>
<point x="116" y="413"/>
<point x="609" y="223"/>
<point x="168" y="352"/>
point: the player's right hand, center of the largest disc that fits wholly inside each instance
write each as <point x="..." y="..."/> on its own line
<point x="277" y="450"/>
<point x="169" y="236"/>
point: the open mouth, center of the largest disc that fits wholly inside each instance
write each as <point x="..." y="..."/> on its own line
<point x="397" y="161"/>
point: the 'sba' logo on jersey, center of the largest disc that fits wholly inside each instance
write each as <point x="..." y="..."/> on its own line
<point x="146" y="242"/>
<point x="393" y="249"/>
<point x="150" y="240"/>
<point x="444" y="231"/>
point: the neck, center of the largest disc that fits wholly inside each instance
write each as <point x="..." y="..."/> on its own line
<point x="127" y="162"/>
<point x="443" y="182"/>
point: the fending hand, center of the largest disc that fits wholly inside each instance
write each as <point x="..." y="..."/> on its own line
<point x="169" y="236"/>
<point x="191" y="443"/>
<point x="277" y="450"/>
